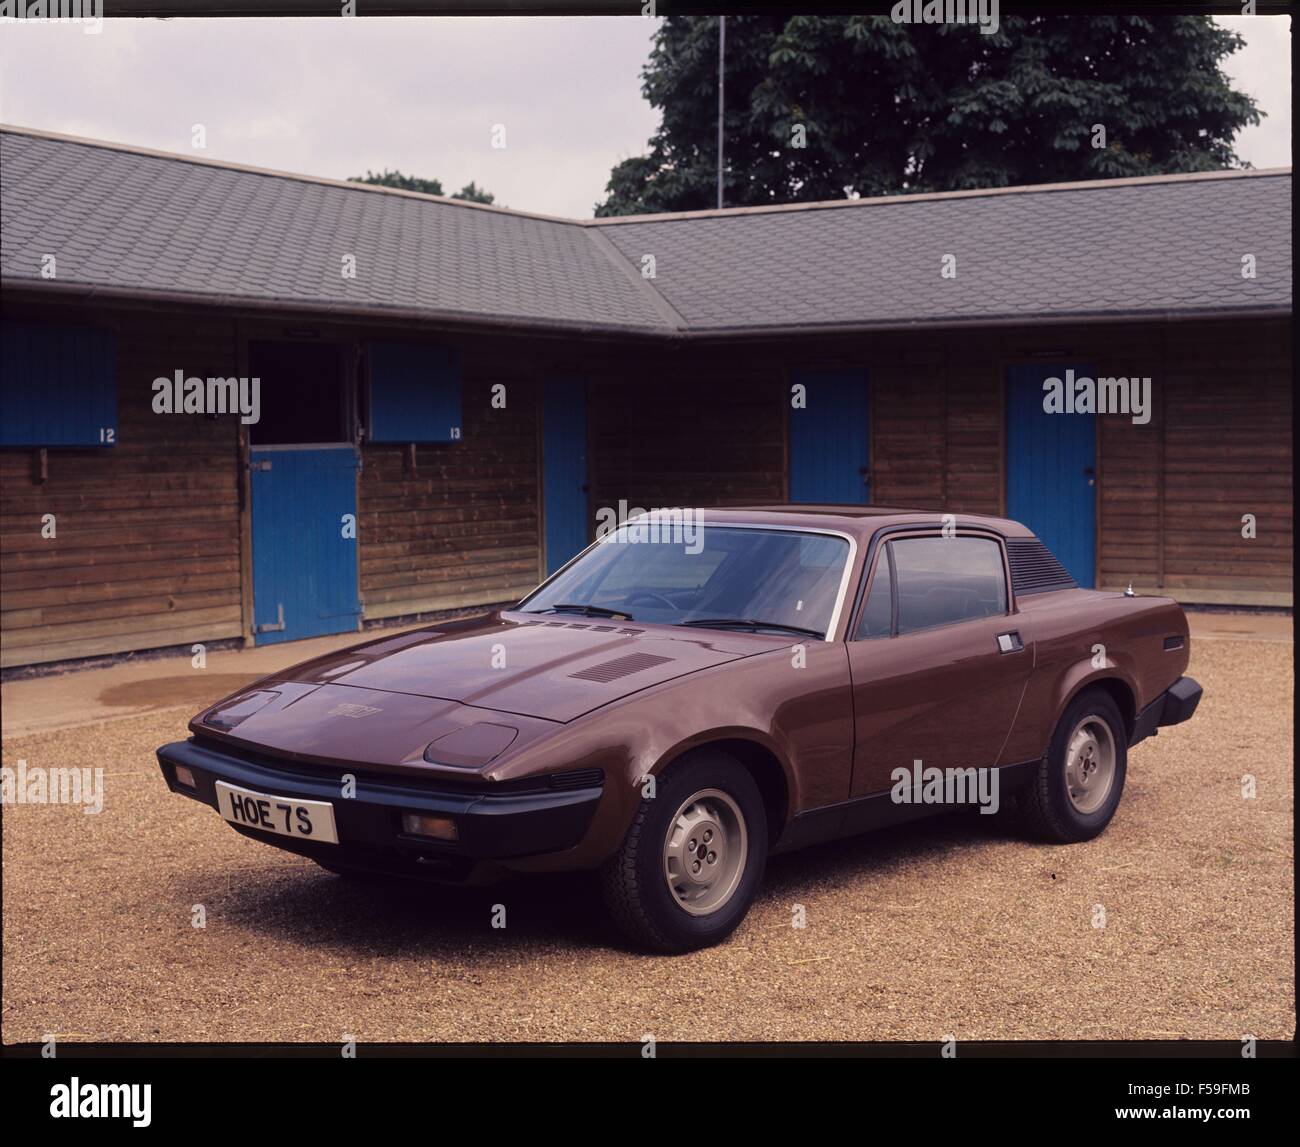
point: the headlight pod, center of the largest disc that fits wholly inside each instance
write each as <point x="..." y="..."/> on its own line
<point x="230" y="713"/>
<point x="471" y="747"/>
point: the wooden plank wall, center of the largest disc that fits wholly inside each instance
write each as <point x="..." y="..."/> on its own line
<point x="936" y="414"/>
<point x="461" y="527"/>
<point x="147" y="546"/>
<point x="687" y="428"/>
<point x="1130" y="498"/>
<point x="1170" y="492"/>
<point x="1219" y="446"/>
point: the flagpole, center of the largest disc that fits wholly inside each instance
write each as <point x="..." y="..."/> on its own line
<point x="722" y="55"/>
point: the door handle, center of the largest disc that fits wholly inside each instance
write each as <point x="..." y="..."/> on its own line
<point x="1010" y="642"/>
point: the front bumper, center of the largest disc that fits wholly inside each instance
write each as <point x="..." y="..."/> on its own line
<point x="1174" y="706"/>
<point x="542" y="815"/>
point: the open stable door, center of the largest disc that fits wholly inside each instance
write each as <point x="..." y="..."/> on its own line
<point x="304" y="555"/>
<point x="304" y="494"/>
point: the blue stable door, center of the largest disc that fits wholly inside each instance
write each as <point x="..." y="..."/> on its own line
<point x="830" y="437"/>
<point x="564" y="470"/>
<point x="304" y="541"/>
<point x="1051" y="460"/>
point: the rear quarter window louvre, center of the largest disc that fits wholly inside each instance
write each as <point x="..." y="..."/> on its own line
<point x="1034" y="568"/>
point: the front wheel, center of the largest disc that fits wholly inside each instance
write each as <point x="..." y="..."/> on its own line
<point x="1078" y="784"/>
<point x="692" y="860"/>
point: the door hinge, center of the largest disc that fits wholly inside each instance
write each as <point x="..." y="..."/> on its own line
<point x="278" y="624"/>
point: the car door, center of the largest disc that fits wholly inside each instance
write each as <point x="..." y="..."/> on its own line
<point x="938" y="663"/>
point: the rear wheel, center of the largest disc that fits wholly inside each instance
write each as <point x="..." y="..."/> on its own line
<point x="692" y="860"/>
<point x="1079" y="783"/>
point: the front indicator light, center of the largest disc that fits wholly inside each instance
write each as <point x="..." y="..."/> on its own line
<point x="184" y="776"/>
<point x="421" y="824"/>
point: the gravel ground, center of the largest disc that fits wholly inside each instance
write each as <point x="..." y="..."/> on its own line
<point x="947" y="927"/>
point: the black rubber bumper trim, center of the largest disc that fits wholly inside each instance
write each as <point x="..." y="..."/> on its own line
<point x="1181" y="699"/>
<point x="492" y="826"/>
<point x="1174" y="706"/>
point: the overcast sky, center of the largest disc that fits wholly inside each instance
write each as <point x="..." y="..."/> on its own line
<point x="334" y="97"/>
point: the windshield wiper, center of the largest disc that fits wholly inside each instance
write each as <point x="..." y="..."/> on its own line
<point x="585" y="610"/>
<point x="751" y="623"/>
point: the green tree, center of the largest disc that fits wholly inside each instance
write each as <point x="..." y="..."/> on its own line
<point x="885" y="108"/>
<point x="474" y="194"/>
<point x="386" y="178"/>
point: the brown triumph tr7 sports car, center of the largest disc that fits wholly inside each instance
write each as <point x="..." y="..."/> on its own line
<point x="694" y="692"/>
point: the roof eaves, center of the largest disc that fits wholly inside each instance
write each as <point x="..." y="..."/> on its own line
<point x="34" y="287"/>
<point x="678" y="332"/>
<point x="1044" y="318"/>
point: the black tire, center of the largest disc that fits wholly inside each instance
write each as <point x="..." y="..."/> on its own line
<point x="1046" y="810"/>
<point x="633" y="880"/>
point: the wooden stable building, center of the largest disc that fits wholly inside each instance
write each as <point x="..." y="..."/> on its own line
<point x="438" y="429"/>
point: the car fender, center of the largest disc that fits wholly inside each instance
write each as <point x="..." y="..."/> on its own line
<point x="645" y="733"/>
<point x="732" y="733"/>
<point x="1083" y="673"/>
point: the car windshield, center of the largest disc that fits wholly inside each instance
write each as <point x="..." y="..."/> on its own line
<point x="761" y="579"/>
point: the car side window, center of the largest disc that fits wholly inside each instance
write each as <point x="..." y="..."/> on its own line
<point x="945" y="580"/>
<point x="878" y="613"/>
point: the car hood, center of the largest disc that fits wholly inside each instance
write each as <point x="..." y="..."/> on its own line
<point x="551" y="668"/>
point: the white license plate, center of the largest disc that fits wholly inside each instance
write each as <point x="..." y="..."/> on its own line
<point x="284" y="816"/>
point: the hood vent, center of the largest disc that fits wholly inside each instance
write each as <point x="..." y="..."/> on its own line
<point x="619" y="667"/>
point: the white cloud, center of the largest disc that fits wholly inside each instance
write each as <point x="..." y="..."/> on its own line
<point x="1263" y="69"/>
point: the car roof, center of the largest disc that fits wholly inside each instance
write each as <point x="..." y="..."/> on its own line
<point x="855" y="520"/>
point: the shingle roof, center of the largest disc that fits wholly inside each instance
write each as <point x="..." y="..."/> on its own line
<point x="1154" y="246"/>
<point x="123" y="220"/>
